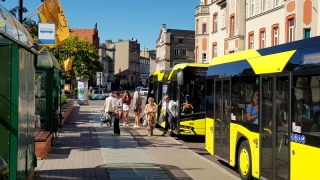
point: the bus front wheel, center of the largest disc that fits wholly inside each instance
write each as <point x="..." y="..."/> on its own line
<point x="244" y="161"/>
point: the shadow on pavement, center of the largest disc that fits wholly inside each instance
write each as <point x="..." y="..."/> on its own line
<point x="97" y="173"/>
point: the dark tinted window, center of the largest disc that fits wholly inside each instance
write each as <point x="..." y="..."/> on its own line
<point x="209" y="98"/>
<point x="244" y="90"/>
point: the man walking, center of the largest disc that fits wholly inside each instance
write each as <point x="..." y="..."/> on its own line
<point x="108" y="106"/>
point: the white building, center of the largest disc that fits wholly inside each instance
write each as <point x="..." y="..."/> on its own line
<point x="228" y="26"/>
<point x="107" y="57"/>
<point x="144" y="71"/>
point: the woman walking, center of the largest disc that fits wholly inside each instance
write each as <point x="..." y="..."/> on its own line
<point x="150" y="110"/>
<point x="136" y="108"/>
<point x="118" y="111"/>
<point x="126" y="99"/>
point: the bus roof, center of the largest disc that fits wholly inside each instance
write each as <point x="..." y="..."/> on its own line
<point x="184" y="65"/>
<point x="269" y="60"/>
<point x="159" y="74"/>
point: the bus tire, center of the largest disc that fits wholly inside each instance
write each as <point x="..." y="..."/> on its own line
<point x="244" y="161"/>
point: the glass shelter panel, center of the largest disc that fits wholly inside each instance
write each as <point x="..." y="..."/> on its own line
<point x="40" y="98"/>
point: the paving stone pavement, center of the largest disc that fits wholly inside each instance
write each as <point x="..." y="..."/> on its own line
<point x="135" y="147"/>
<point x="76" y="153"/>
<point x="122" y="155"/>
<point x="86" y="150"/>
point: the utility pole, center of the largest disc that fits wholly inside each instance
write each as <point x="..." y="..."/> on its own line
<point x="20" y="10"/>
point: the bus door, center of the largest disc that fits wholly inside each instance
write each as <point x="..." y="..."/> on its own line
<point x="274" y="116"/>
<point x="222" y="118"/>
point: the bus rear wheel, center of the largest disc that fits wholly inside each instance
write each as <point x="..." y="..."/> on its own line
<point x="244" y="161"/>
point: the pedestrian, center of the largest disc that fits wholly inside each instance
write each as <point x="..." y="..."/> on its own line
<point x="118" y="111"/>
<point x="90" y="89"/>
<point x="136" y="108"/>
<point x="126" y="100"/>
<point x="169" y="112"/>
<point x="151" y="94"/>
<point x="150" y="110"/>
<point x="108" y="106"/>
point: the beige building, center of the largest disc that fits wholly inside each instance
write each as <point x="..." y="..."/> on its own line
<point x="127" y="63"/>
<point x="228" y="26"/>
<point x="174" y="46"/>
<point x="151" y="55"/>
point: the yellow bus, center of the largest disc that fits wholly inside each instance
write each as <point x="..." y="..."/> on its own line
<point x="185" y="84"/>
<point x="155" y="84"/>
<point x="263" y="111"/>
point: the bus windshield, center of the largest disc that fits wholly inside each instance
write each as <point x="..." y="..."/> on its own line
<point x="193" y="91"/>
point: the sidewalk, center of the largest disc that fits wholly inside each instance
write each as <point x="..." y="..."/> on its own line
<point x="85" y="150"/>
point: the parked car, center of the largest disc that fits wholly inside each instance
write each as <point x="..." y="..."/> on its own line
<point x="138" y="88"/>
<point x="144" y="91"/>
<point x="97" y="95"/>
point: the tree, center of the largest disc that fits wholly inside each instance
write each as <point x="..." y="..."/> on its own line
<point x="85" y="60"/>
<point x="15" y="10"/>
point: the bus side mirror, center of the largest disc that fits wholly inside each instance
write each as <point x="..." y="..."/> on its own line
<point x="180" y="77"/>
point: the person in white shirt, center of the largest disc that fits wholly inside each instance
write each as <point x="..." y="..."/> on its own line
<point x="108" y="105"/>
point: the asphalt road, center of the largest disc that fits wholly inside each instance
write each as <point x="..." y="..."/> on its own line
<point x="194" y="143"/>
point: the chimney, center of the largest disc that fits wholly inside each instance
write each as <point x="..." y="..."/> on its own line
<point x="163" y="26"/>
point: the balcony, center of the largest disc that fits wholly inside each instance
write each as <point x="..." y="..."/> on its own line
<point x="202" y="10"/>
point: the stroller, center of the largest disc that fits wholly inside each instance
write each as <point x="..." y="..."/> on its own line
<point x="106" y="119"/>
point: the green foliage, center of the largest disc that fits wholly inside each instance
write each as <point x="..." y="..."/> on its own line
<point x="85" y="60"/>
<point x="74" y="90"/>
<point x="32" y="27"/>
<point x="64" y="99"/>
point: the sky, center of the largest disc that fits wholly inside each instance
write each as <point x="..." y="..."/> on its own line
<point x="124" y="19"/>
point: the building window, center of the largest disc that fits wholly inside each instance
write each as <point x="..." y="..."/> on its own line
<point x="204" y="28"/>
<point x="291" y="30"/>
<point x="262" y="38"/>
<point x="214" y="50"/>
<point x="276" y="3"/>
<point x="251" y="40"/>
<point x="204" y="57"/>
<point x="232" y="26"/>
<point x="176" y="52"/>
<point x="184" y="52"/>
<point x="307" y="33"/>
<point x="252" y="7"/>
<point x="180" y="41"/>
<point x="275" y="35"/>
<point x="263" y="5"/>
<point x="215" y="22"/>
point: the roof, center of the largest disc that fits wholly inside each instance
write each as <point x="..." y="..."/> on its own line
<point x="184" y="65"/>
<point x="276" y="59"/>
<point x="181" y="32"/>
<point x="13" y="28"/>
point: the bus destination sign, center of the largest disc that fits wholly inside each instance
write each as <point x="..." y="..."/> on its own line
<point x="311" y="58"/>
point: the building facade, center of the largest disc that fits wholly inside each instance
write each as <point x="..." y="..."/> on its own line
<point x="127" y="63"/>
<point x="174" y="46"/>
<point x="151" y="55"/>
<point x="229" y="26"/>
<point x="107" y="58"/>
<point x="90" y="34"/>
<point x="144" y="71"/>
